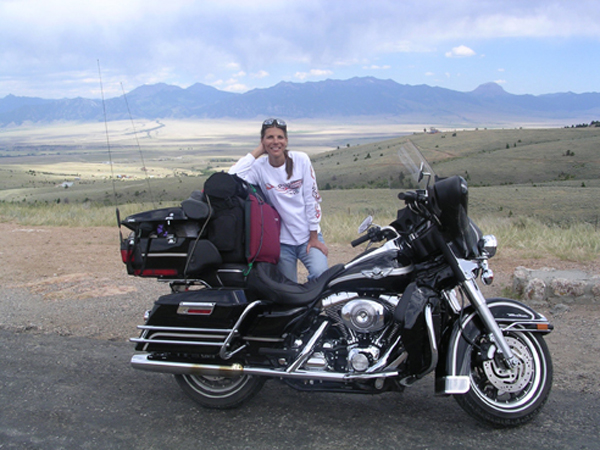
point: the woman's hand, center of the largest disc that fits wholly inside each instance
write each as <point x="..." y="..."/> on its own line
<point x="258" y="151"/>
<point x="314" y="241"/>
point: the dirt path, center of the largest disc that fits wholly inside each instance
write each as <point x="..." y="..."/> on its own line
<point x="71" y="281"/>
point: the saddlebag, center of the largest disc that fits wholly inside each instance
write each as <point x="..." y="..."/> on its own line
<point x="175" y="319"/>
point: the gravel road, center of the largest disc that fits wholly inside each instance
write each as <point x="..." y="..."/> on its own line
<point x="67" y="309"/>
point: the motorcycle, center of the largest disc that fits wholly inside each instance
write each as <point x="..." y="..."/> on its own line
<point x="407" y="306"/>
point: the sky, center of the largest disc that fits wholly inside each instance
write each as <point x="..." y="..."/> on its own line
<point x="73" y="48"/>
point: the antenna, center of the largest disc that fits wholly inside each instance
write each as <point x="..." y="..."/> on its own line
<point x="112" y="174"/>
<point x="144" y="168"/>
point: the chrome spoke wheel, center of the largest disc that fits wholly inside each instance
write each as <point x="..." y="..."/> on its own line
<point x="220" y="392"/>
<point x="510" y="396"/>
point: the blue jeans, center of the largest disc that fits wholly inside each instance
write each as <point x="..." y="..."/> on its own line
<point x="315" y="261"/>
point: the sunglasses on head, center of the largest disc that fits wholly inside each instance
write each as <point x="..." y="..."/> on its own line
<point x="274" y="123"/>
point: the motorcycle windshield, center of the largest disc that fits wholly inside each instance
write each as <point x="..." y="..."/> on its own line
<point x="415" y="171"/>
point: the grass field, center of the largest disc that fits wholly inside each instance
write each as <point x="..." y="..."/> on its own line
<point x="520" y="179"/>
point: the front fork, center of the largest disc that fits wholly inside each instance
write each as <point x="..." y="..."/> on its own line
<point x="479" y="302"/>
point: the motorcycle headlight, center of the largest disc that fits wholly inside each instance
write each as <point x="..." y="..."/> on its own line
<point x="488" y="245"/>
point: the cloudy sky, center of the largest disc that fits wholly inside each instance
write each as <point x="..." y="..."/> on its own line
<point x="54" y="48"/>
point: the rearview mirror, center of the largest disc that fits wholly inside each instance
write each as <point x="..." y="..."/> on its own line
<point x="364" y="226"/>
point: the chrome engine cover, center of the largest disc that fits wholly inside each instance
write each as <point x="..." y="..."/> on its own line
<point x="363" y="315"/>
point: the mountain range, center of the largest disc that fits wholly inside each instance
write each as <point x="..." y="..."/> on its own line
<point x="356" y="97"/>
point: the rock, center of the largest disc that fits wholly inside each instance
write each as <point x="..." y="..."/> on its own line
<point x="562" y="287"/>
<point x="555" y="287"/>
<point x="520" y="278"/>
<point x="535" y="291"/>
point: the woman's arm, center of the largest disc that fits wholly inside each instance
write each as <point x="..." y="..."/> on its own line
<point x="312" y="200"/>
<point x="243" y="168"/>
<point x="314" y="241"/>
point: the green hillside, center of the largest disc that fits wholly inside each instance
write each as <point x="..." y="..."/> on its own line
<point x="483" y="157"/>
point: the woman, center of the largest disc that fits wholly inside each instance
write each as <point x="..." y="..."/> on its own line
<point x="288" y="180"/>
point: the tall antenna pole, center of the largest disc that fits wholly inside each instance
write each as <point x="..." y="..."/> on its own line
<point x="145" y="169"/>
<point x="112" y="174"/>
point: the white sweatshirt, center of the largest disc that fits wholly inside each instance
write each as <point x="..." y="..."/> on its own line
<point x="296" y="200"/>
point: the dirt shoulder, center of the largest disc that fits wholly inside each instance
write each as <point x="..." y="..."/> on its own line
<point x="71" y="281"/>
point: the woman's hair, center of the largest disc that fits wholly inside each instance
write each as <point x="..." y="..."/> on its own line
<point x="277" y="123"/>
<point x="289" y="164"/>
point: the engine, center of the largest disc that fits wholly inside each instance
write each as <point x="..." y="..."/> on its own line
<point x="365" y="325"/>
<point x="363" y="315"/>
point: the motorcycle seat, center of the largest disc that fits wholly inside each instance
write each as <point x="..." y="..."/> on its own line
<point x="268" y="283"/>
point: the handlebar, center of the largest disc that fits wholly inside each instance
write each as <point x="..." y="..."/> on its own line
<point x="408" y="196"/>
<point x="364" y="238"/>
<point x="376" y="234"/>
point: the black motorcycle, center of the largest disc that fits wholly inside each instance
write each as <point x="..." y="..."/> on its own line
<point x="407" y="306"/>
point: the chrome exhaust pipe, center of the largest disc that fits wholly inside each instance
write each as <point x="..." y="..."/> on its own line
<point x="142" y="362"/>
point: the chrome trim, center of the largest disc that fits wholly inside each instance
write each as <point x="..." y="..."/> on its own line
<point x="489" y="245"/>
<point x="360" y="276"/>
<point x="142" y="362"/>
<point x="174" y="342"/>
<point x="194" y="330"/>
<point x="159" y="335"/>
<point x="480" y="304"/>
<point x="513" y="325"/>
<point x="178" y="336"/>
<point x="452" y="300"/>
<point x="384" y="359"/>
<point x="261" y="339"/>
<point x="308" y="348"/>
<point x="454" y="385"/>
<point x="363" y="315"/>
<point x="432" y="338"/>
<point x="389" y="246"/>
<point x="468" y="267"/>
<point x="235" y="331"/>
<point x="377" y="273"/>
<point x="184" y="308"/>
<point x="338" y="298"/>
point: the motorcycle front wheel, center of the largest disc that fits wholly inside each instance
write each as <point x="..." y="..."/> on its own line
<point x="218" y="392"/>
<point x="510" y="397"/>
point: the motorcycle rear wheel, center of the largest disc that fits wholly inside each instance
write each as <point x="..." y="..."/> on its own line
<point x="217" y="392"/>
<point x="507" y="398"/>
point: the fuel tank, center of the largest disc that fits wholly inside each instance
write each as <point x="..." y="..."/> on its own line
<point x="380" y="268"/>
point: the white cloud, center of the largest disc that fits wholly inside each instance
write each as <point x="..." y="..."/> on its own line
<point x="500" y="81"/>
<point x="462" y="51"/>
<point x="429" y="74"/>
<point x="260" y="74"/>
<point x="237" y="87"/>
<point x="142" y="41"/>
<point x="376" y="67"/>
<point x="314" y="73"/>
